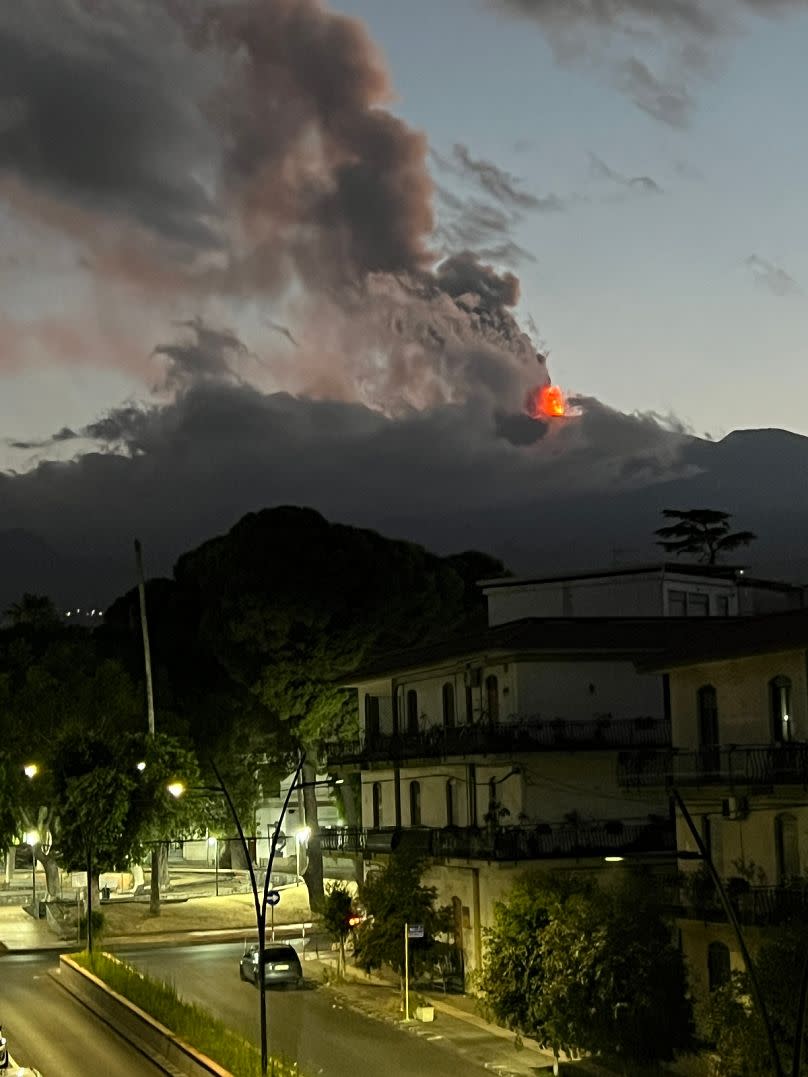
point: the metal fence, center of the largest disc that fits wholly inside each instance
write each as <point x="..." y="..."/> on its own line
<point x="521" y="734"/>
<point x="727" y="765"/>
<point x="506" y="843"/>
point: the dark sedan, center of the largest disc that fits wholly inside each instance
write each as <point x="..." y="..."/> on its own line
<point x="281" y="964"/>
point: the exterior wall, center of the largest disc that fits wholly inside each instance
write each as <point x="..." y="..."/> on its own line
<point x="543" y="690"/>
<point x="586" y="690"/>
<point x="695" y="941"/>
<point x="747" y="847"/>
<point x="548" y="788"/>
<point x="742" y="690"/>
<point x="634" y="595"/>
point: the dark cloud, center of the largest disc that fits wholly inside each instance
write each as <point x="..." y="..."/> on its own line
<point x="638" y="184"/>
<point x="666" y="100"/>
<point x="177" y="473"/>
<point x="772" y="277"/>
<point x="679" y="38"/>
<point x="499" y="184"/>
<point x="90" y="114"/>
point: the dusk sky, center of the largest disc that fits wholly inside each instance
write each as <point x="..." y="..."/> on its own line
<point x="300" y="243"/>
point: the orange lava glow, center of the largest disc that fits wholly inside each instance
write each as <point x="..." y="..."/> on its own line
<point x="549" y="403"/>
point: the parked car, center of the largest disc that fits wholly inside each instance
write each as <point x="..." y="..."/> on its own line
<point x="282" y="965"/>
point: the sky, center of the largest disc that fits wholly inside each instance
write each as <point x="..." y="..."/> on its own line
<point x="334" y="248"/>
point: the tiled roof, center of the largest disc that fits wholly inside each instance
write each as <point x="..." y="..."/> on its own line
<point x="733" y="637"/>
<point x="593" y="637"/>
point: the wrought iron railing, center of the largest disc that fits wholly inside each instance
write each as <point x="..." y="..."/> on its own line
<point x="758" y="906"/>
<point x="727" y="765"/>
<point x="520" y="735"/>
<point x="506" y="843"/>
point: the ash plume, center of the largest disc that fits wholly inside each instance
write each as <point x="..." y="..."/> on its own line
<point x="249" y="155"/>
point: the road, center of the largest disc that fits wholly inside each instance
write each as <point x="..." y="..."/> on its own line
<point x="49" y="1031"/>
<point x="308" y="1025"/>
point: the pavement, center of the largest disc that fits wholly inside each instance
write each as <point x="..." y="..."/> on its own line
<point x="456" y="1021"/>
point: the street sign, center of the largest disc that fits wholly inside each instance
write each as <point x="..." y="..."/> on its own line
<point x="273" y="897"/>
<point x="415" y="931"/>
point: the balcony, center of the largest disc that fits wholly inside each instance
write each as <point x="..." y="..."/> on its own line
<point x="755" y="906"/>
<point x="731" y="766"/>
<point x="512" y="843"/>
<point x="492" y="738"/>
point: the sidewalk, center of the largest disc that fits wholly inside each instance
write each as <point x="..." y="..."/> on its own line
<point x="457" y="1023"/>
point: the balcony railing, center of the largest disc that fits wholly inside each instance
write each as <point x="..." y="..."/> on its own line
<point x="523" y="735"/>
<point x="731" y="766"/>
<point x="758" y="906"/>
<point x="506" y="843"/>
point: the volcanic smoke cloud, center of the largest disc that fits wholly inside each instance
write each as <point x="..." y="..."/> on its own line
<point x="219" y="155"/>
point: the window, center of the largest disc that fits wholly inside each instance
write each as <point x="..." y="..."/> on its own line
<point x="721" y="606"/>
<point x="398" y="709"/>
<point x="412" y="711"/>
<point x="469" y="704"/>
<point x="492" y="698"/>
<point x="378" y="817"/>
<point x="450" y="804"/>
<point x="372" y="722"/>
<point x="448" y="706"/>
<point x="415" y="803"/>
<point x="787" y="847"/>
<point x="718" y="966"/>
<point x="677" y="604"/>
<point x="707" y="707"/>
<point x="780" y="709"/>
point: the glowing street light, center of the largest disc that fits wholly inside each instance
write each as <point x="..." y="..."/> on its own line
<point x="30" y="770"/>
<point x="176" y="789"/>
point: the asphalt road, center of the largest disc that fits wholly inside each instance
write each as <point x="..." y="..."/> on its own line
<point x="49" y="1031"/>
<point x="306" y="1025"/>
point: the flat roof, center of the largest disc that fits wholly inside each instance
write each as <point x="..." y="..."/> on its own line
<point x="735" y="573"/>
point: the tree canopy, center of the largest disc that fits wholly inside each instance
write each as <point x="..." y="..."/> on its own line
<point x="582" y="968"/>
<point x="395" y="896"/>
<point x="703" y="532"/>
<point x="735" y="1026"/>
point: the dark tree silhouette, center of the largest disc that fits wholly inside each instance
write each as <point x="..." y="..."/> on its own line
<point x="703" y="532"/>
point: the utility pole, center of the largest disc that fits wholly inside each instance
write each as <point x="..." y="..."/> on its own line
<point x="154" y="893"/>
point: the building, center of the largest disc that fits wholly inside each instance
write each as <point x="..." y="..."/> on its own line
<point x="739" y="761"/>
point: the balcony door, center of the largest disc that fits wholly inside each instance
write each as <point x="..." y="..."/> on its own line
<point x="787" y="845"/>
<point x="448" y="706"/>
<point x="492" y="698"/>
<point x="707" y="706"/>
<point x="779" y="709"/>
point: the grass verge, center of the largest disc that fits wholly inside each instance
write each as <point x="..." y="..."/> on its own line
<point x="191" y="1023"/>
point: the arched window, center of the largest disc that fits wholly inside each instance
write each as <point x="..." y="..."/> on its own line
<point x="787" y="847"/>
<point x="492" y="697"/>
<point x="780" y="709"/>
<point x="415" y="803"/>
<point x="707" y="706"/>
<point x="448" y="706"/>
<point x="378" y="816"/>
<point x="412" y="711"/>
<point x="718" y="966"/>
<point x="372" y="721"/>
<point x="451" y="807"/>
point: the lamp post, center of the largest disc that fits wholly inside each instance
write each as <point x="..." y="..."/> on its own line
<point x="214" y="844"/>
<point x="260" y="900"/>
<point x="31" y="838"/>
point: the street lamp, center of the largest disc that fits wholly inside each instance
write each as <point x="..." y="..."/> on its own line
<point x="213" y="843"/>
<point x="261" y="901"/>
<point x="301" y="838"/>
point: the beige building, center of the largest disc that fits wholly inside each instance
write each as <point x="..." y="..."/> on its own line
<point x="499" y="752"/>
<point x="739" y="716"/>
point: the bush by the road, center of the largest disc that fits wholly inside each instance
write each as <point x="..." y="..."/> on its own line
<point x="196" y="1026"/>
